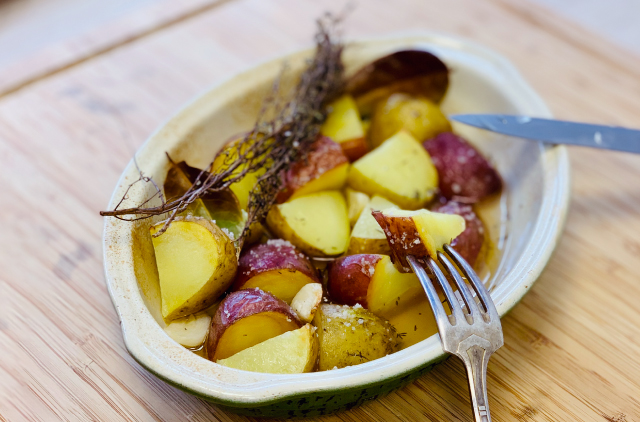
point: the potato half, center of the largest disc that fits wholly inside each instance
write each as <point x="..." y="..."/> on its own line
<point x="196" y="262"/>
<point x="400" y="170"/>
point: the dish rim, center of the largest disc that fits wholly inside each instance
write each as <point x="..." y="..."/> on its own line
<point x="261" y="389"/>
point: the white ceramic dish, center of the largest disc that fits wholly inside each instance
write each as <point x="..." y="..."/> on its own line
<point x="536" y="200"/>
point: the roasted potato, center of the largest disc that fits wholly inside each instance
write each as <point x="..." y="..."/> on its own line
<point x="293" y="352"/>
<point x="276" y="267"/>
<point x="246" y="318"/>
<point x="196" y="262"/>
<point x="464" y="174"/>
<point x="325" y="168"/>
<point x="469" y="242"/>
<point x="318" y="224"/>
<point x="351" y="335"/>
<point x="419" y="233"/>
<point x="419" y="116"/>
<point x="399" y="169"/>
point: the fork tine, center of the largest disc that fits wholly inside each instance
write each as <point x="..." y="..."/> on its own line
<point x="456" y="309"/>
<point x="472" y="306"/>
<point x="432" y="295"/>
<point x="475" y="282"/>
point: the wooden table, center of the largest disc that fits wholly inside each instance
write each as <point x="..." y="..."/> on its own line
<point x="72" y="116"/>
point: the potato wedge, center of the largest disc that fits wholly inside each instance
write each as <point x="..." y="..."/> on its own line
<point x="325" y="168"/>
<point x="399" y="169"/>
<point x="465" y="175"/>
<point x="351" y="335"/>
<point x="419" y="233"/>
<point x="318" y="224"/>
<point x="293" y="352"/>
<point x="367" y="236"/>
<point x="196" y="263"/>
<point x="419" y="116"/>
<point x="276" y="267"/>
<point x="246" y="318"/>
<point x="343" y="125"/>
<point x="374" y="282"/>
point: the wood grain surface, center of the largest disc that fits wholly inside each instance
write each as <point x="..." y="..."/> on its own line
<point x="68" y="128"/>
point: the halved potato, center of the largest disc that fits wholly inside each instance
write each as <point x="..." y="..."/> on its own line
<point x="400" y="170"/>
<point x="324" y="168"/>
<point x="419" y="233"/>
<point x="356" y="203"/>
<point x="190" y="331"/>
<point x="196" y="262"/>
<point x="372" y="281"/>
<point x="351" y="335"/>
<point x="318" y="224"/>
<point x="343" y="125"/>
<point x="293" y="352"/>
<point x="246" y="318"/>
<point x="419" y="116"/>
<point x="367" y="235"/>
<point x="276" y="267"/>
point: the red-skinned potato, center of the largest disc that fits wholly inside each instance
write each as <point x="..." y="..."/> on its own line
<point x="420" y="233"/>
<point x="325" y="168"/>
<point x="246" y="318"/>
<point x="276" y="267"/>
<point x="413" y="72"/>
<point x="349" y="278"/>
<point x="470" y="241"/>
<point x="464" y="174"/>
<point x="374" y="282"/>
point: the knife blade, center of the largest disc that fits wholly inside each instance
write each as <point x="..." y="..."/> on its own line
<point x="556" y="131"/>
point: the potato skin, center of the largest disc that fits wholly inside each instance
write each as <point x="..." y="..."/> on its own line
<point x="324" y="155"/>
<point x="470" y="241"/>
<point x="403" y="237"/>
<point x="349" y="336"/>
<point x="349" y="278"/>
<point x="273" y="255"/>
<point x="464" y="174"/>
<point x="241" y="304"/>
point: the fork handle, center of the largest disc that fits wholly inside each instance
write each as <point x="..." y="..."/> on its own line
<point x="475" y="360"/>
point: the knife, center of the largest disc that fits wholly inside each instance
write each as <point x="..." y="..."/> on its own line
<point x="556" y="131"/>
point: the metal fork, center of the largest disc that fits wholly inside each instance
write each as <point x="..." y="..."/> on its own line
<point x="472" y="335"/>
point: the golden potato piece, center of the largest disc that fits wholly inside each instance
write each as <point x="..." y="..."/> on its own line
<point x="419" y="233"/>
<point x="293" y="352"/>
<point x="351" y="335"/>
<point x="400" y="170"/>
<point x="318" y="223"/>
<point x="196" y="262"/>
<point x="419" y="116"/>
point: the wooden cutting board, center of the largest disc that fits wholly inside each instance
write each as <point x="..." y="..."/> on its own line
<point x="72" y="116"/>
